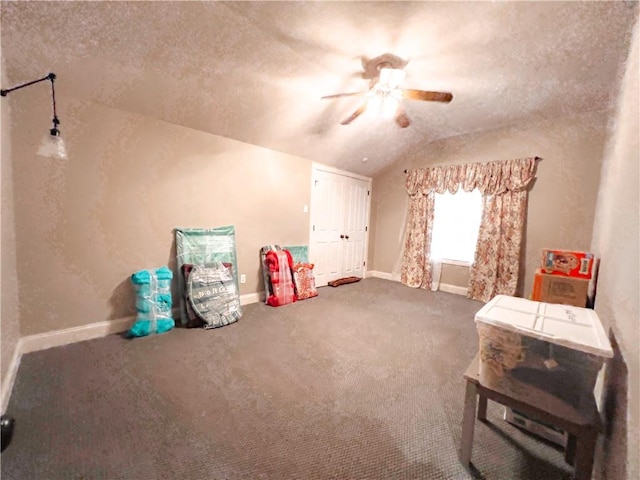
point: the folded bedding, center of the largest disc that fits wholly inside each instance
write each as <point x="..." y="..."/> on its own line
<point x="153" y="302"/>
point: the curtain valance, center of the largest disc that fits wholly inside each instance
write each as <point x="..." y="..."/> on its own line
<point x="490" y="178"/>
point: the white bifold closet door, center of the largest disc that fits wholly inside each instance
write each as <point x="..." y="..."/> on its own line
<point x="340" y="204"/>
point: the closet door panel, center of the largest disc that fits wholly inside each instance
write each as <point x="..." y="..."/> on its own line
<point x="355" y="227"/>
<point x="339" y="224"/>
<point x="327" y="208"/>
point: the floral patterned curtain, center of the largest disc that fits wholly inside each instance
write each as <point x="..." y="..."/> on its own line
<point x="503" y="185"/>
<point x="416" y="269"/>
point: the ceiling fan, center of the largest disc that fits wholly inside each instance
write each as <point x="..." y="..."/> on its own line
<point x="385" y="73"/>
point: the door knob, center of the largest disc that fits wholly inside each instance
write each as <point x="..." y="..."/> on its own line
<point x="347" y="237"/>
<point x="341" y="236"/>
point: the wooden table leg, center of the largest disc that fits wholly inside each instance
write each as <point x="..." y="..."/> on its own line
<point x="482" y="408"/>
<point x="468" y="423"/>
<point x="585" y="450"/>
<point x="570" y="449"/>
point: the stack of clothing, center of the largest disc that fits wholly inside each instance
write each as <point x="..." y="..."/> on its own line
<point x="288" y="275"/>
<point x="153" y="302"/>
<point x="279" y="264"/>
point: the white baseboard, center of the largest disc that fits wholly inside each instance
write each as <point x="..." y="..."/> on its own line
<point x="10" y="377"/>
<point x="57" y="338"/>
<point x="377" y="274"/>
<point x="443" y="286"/>
<point x="248" y="298"/>
<point x="453" y="289"/>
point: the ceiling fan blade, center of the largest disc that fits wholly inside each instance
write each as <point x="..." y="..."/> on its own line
<point x="355" y="114"/>
<point x="402" y="119"/>
<point x="409" y="94"/>
<point x="338" y="95"/>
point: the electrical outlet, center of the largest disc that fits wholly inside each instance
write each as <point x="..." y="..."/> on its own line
<point x="243" y="278"/>
<point x="305" y="209"/>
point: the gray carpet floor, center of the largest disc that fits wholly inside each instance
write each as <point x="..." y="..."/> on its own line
<point x="362" y="382"/>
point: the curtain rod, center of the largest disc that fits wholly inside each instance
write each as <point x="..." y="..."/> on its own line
<point x="535" y="158"/>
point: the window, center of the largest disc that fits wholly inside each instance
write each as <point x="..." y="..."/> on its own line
<point x="455" y="226"/>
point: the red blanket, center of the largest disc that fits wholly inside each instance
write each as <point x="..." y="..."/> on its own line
<point x="280" y="263"/>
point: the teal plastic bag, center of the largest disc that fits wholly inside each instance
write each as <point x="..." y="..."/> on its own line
<point x="153" y="302"/>
<point x="142" y="328"/>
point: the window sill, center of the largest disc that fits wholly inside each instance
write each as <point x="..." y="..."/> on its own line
<point x="458" y="263"/>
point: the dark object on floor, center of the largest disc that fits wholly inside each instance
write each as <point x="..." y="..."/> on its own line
<point x="7" y="423"/>
<point x="342" y="281"/>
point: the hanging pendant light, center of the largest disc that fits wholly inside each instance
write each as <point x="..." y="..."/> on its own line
<point x="52" y="145"/>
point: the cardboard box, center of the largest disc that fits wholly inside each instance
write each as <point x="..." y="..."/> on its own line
<point x="567" y="263"/>
<point x="559" y="289"/>
<point x="544" y="430"/>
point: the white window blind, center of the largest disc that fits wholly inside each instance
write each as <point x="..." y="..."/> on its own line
<point x="455" y="226"/>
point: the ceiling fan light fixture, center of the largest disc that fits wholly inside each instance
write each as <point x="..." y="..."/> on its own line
<point x="382" y="105"/>
<point x="384" y="96"/>
<point x="389" y="107"/>
<point x="391" y="77"/>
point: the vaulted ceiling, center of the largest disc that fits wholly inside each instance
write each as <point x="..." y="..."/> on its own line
<point x="255" y="71"/>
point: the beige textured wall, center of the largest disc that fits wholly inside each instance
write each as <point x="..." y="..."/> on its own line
<point x="84" y="225"/>
<point x="561" y="201"/>
<point x="388" y="214"/>
<point x="616" y="241"/>
<point x="9" y="321"/>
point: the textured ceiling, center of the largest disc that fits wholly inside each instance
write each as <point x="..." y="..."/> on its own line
<point x="255" y="71"/>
